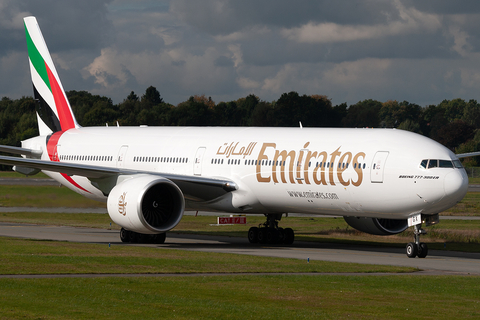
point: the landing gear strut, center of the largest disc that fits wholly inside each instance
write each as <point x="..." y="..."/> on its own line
<point x="417" y="248"/>
<point x="270" y="233"/>
<point x="135" y="237"/>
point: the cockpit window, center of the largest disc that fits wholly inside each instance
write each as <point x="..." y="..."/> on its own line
<point x="435" y="163"/>
<point x="424" y="164"/>
<point x="445" y="164"/>
<point x="457" y="164"/>
<point x="432" y="163"/>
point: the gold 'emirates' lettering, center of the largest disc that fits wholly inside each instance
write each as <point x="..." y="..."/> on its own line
<point x="298" y="167"/>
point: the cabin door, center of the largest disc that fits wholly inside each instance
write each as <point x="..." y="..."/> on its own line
<point x="121" y="156"/>
<point x="378" y="166"/>
<point x="197" y="164"/>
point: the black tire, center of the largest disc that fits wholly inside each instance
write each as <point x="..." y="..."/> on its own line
<point x="422" y="250"/>
<point x="289" y="236"/>
<point x="412" y="250"/>
<point x="253" y="235"/>
<point x="281" y="235"/>
<point x="161" y="237"/>
<point x="262" y="235"/>
<point x="272" y="236"/>
<point x="125" y="235"/>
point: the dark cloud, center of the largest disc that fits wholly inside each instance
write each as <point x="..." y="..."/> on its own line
<point x="421" y="51"/>
<point x="223" y="61"/>
<point x="218" y="17"/>
<point x="446" y="6"/>
<point x="71" y="24"/>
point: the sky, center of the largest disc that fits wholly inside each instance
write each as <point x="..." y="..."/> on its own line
<point x="419" y="51"/>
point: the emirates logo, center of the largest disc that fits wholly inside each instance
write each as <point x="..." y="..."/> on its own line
<point x="122" y="204"/>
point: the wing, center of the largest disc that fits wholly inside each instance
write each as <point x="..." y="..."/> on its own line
<point x="470" y="154"/>
<point x="193" y="187"/>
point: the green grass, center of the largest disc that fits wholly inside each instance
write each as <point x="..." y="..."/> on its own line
<point x="474" y="180"/>
<point x="20" y="256"/>
<point x="469" y="206"/>
<point x="288" y="296"/>
<point x="44" y="197"/>
<point x="242" y="297"/>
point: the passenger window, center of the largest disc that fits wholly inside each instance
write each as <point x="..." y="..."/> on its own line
<point x="445" y="164"/>
<point x="432" y="164"/>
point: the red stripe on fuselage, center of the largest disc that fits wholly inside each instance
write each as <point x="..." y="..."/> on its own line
<point x="63" y="110"/>
<point x="53" y="155"/>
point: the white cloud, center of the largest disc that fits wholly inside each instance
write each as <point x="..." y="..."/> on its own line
<point x="411" y="21"/>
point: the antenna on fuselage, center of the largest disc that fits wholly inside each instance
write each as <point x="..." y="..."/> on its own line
<point x="300" y="123"/>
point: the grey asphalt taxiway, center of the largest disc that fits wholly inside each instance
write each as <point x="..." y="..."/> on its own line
<point x="440" y="262"/>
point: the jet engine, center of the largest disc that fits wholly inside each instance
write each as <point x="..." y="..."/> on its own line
<point x="146" y="204"/>
<point x="381" y="227"/>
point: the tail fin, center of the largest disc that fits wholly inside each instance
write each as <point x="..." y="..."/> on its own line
<point x="53" y="109"/>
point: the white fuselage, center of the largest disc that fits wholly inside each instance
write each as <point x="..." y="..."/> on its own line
<point x="349" y="172"/>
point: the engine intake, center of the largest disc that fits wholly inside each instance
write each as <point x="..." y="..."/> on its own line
<point x="146" y="204"/>
<point x="381" y="227"/>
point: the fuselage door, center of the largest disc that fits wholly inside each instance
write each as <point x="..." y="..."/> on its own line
<point x="121" y="156"/>
<point x="378" y="166"/>
<point x="197" y="164"/>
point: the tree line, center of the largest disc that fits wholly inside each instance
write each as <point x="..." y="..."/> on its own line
<point x="454" y="123"/>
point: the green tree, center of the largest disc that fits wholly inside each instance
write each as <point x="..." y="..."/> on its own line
<point x="471" y="113"/>
<point x="363" y="114"/>
<point x="151" y="97"/>
<point x="454" y="109"/>
<point x="455" y="133"/>
<point x="410" y="125"/>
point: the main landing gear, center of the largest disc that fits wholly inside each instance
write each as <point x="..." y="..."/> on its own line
<point x="417" y="248"/>
<point x="135" y="237"/>
<point x="270" y="233"/>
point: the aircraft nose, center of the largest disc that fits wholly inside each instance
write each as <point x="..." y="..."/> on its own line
<point x="456" y="185"/>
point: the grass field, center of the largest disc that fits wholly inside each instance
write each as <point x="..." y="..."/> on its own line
<point x="242" y="297"/>
<point x="286" y="296"/>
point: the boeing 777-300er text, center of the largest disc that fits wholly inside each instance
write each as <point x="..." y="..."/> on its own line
<point x="381" y="180"/>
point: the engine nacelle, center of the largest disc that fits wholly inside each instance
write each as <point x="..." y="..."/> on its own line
<point x="146" y="204"/>
<point x="381" y="227"/>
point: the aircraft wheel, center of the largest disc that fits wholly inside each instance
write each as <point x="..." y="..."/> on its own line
<point x="422" y="250"/>
<point x="412" y="250"/>
<point x="289" y="236"/>
<point x="272" y="235"/>
<point x="253" y="235"/>
<point x="262" y="235"/>
<point x="125" y="235"/>
<point x="281" y="235"/>
<point x="158" y="238"/>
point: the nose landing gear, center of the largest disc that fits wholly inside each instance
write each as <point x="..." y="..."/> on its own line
<point x="417" y="248"/>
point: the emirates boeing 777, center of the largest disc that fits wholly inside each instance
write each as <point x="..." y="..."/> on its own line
<point x="380" y="180"/>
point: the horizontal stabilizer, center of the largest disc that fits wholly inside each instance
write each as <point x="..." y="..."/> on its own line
<point x="23" y="151"/>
